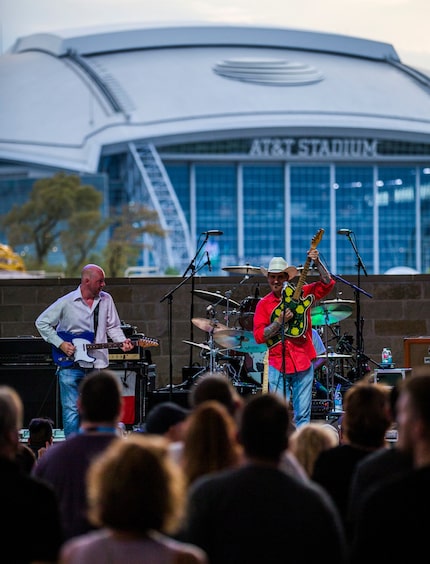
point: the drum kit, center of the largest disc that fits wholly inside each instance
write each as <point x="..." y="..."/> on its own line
<point x="326" y="317"/>
<point x="232" y="349"/>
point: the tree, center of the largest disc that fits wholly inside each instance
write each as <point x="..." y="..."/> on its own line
<point x="126" y="242"/>
<point x="59" y="211"/>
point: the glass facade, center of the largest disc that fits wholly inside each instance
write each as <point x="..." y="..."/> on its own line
<point x="274" y="208"/>
<point x="270" y="196"/>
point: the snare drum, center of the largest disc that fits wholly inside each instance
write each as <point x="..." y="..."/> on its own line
<point x="246" y="312"/>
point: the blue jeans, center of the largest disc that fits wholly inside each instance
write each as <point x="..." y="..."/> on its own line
<point x="298" y="389"/>
<point x="69" y="380"/>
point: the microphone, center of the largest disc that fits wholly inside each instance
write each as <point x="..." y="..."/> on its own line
<point x="344" y="231"/>
<point x="213" y="232"/>
<point x="209" y="262"/>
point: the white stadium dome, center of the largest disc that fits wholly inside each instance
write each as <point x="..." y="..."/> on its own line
<point x="68" y="99"/>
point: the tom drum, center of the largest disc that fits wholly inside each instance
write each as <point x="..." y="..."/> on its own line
<point x="246" y="312"/>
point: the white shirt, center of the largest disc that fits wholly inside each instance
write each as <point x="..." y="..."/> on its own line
<point x="72" y="314"/>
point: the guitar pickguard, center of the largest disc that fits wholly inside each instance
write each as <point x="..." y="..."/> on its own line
<point x="296" y="326"/>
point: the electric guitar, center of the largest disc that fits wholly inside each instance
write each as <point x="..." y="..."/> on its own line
<point x="293" y="300"/>
<point x="83" y="343"/>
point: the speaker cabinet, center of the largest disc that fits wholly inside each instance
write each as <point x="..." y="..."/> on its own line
<point x="416" y="351"/>
<point x="37" y="386"/>
<point x="179" y="397"/>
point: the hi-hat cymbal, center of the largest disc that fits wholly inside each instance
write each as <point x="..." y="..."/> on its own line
<point x="245" y="269"/>
<point x="330" y="312"/>
<point x="334" y="355"/>
<point x="208" y="324"/>
<point x="241" y="341"/>
<point x="215" y="298"/>
<point x="201" y="345"/>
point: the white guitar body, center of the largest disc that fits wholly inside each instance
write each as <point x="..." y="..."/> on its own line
<point x="80" y="354"/>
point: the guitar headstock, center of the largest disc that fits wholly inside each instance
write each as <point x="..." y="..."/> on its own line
<point x="146" y="342"/>
<point x="317" y="238"/>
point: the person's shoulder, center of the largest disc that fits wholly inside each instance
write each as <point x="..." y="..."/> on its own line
<point x="90" y="545"/>
<point x="61" y="450"/>
<point x="35" y="487"/>
<point x="105" y="295"/>
<point x="184" y="552"/>
<point x="190" y="554"/>
<point x="214" y="482"/>
<point x="385" y="458"/>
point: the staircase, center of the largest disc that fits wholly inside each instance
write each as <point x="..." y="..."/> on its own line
<point x="149" y="184"/>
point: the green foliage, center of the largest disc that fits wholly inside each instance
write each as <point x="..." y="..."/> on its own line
<point x="126" y="243"/>
<point x="63" y="212"/>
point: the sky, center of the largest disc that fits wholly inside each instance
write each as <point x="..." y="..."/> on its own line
<point x="402" y="23"/>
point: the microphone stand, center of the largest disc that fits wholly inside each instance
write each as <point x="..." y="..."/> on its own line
<point x="360" y="356"/>
<point x="192" y="267"/>
<point x="169" y="297"/>
<point x="284" y="378"/>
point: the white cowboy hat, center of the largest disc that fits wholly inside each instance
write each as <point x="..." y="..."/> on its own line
<point x="279" y="264"/>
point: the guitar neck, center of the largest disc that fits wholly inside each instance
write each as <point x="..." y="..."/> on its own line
<point x="297" y="291"/>
<point x="93" y="346"/>
<point x="144" y="343"/>
<point x="315" y="241"/>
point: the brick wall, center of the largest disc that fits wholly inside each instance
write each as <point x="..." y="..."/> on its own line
<point x="399" y="307"/>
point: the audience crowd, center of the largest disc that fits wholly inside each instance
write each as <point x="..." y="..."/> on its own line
<point x="227" y="479"/>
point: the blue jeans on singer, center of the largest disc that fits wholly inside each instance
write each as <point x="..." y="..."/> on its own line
<point x="69" y="380"/>
<point x="298" y="390"/>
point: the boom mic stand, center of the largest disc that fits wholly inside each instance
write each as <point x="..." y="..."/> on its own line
<point x="169" y="296"/>
<point x="360" y="356"/>
<point x="192" y="268"/>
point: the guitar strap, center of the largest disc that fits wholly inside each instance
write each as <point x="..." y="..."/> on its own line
<point x="96" y="318"/>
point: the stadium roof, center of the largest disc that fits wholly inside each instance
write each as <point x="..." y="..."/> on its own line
<point x="66" y="98"/>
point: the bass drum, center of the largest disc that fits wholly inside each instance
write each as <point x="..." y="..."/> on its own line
<point x="246" y="312"/>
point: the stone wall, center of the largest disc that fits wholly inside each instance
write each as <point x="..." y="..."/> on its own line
<point x="391" y="309"/>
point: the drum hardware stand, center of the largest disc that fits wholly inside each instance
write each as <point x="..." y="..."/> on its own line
<point x="143" y="391"/>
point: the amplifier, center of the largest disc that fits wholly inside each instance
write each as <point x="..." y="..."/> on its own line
<point x="391" y="376"/>
<point x="124" y="357"/>
<point x="416" y="351"/>
<point x="320" y="408"/>
<point x="25" y="350"/>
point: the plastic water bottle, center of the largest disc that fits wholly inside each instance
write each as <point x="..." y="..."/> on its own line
<point x="338" y="405"/>
<point x="386" y="357"/>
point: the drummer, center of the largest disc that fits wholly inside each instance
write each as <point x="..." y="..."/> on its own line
<point x="290" y="370"/>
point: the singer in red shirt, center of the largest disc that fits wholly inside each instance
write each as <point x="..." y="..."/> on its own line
<point x="285" y="325"/>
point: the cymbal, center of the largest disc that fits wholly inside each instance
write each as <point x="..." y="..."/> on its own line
<point x="201" y="345"/>
<point x="334" y="355"/>
<point x="330" y="312"/>
<point x="215" y="298"/>
<point x="242" y="341"/>
<point x="208" y="324"/>
<point x="338" y="301"/>
<point x="245" y="269"/>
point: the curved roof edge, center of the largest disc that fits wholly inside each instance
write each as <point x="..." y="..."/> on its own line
<point x="93" y="41"/>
